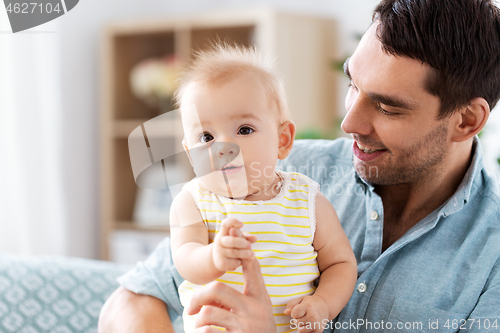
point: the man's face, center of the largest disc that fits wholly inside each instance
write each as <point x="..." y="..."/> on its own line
<point x="392" y="118"/>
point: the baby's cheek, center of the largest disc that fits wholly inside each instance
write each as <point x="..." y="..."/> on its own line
<point x="213" y="182"/>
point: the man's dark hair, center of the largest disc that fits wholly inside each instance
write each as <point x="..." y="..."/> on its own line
<point x="459" y="39"/>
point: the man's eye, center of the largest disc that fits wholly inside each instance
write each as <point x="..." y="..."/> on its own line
<point x="245" y="130"/>
<point x="206" y="137"/>
<point x="384" y="111"/>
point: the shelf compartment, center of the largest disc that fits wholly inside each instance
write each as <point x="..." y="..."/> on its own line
<point x="127" y="51"/>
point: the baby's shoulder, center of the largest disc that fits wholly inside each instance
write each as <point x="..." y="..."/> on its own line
<point x="298" y="179"/>
<point x="184" y="210"/>
<point x="183" y="198"/>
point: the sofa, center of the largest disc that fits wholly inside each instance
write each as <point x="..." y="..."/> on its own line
<point x="54" y="294"/>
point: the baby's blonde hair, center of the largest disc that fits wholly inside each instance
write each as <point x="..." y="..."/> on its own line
<point x="223" y="62"/>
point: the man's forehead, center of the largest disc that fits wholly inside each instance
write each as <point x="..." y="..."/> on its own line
<point x="380" y="72"/>
<point x="370" y="55"/>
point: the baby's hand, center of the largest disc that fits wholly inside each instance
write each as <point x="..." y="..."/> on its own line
<point x="310" y="313"/>
<point x="231" y="245"/>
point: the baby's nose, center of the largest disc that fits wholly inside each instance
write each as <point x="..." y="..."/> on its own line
<point x="225" y="149"/>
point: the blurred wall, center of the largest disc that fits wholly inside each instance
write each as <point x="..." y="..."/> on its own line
<point x="79" y="41"/>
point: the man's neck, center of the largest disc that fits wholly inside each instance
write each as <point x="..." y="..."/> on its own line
<point x="407" y="204"/>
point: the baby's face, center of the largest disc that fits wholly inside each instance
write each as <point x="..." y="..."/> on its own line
<point x="235" y="112"/>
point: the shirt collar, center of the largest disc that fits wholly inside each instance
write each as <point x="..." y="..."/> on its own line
<point x="461" y="196"/>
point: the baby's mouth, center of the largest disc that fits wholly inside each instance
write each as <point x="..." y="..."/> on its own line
<point x="231" y="168"/>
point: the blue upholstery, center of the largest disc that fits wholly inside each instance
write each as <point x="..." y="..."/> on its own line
<point x="53" y="294"/>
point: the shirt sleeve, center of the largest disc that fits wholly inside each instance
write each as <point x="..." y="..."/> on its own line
<point x="157" y="277"/>
<point x="486" y="314"/>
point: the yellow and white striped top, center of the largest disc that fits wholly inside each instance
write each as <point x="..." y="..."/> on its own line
<point x="284" y="226"/>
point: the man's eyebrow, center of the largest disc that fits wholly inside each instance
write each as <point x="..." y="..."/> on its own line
<point x="393" y="101"/>
<point x="384" y="99"/>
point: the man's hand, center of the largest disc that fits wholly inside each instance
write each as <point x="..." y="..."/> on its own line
<point x="231" y="246"/>
<point x="247" y="312"/>
<point x="127" y="312"/>
<point x="308" y="309"/>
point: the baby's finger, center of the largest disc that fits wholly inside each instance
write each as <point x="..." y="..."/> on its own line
<point x="227" y="223"/>
<point x="235" y="242"/>
<point x="229" y="264"/>
<point x="298" y="311"/>
<point x="290" y="305"/>
<point x="237" y="253"/>
<point x="235" y="232"/>
<point x="249" y="237"/>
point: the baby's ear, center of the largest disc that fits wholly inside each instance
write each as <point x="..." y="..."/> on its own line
<point x="286" y="132"/>
<point x="186" y="149"/>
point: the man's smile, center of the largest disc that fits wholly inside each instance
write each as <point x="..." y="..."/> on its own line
<point x="366" y="154"/>
<point x="366" y="149"/>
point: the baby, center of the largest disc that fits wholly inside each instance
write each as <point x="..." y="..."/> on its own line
<point x="236" y="123"/>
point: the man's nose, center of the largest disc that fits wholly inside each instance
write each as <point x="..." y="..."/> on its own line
<point x="358" y="118"/>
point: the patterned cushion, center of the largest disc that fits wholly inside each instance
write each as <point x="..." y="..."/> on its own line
<point x="53" y="294"/>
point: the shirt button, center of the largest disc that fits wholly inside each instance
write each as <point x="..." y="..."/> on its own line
<point x="362" y="287"/>
<point x="373" y="215"/>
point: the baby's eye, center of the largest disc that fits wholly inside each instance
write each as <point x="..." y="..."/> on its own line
<point x="245" y="130"/>
<point x="206" y="137"/>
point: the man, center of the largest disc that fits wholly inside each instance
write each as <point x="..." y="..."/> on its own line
<point x="420" y="211"/>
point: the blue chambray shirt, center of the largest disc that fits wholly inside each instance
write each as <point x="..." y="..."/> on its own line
<point x="443" y="275"/>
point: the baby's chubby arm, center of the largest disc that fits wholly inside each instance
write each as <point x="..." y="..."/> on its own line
<point x="196" y="260"/>
<point x="338" y="268"/>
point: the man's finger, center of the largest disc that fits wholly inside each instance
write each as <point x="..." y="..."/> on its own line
<point x="253" y="280"/>
<point x="211" y="315"/>
<point x="215" y="293"/>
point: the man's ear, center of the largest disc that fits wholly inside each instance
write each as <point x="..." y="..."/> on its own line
<point x="186" y="149"/>
<point x="286" y="132"/>
<point x="471" y="119"/>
